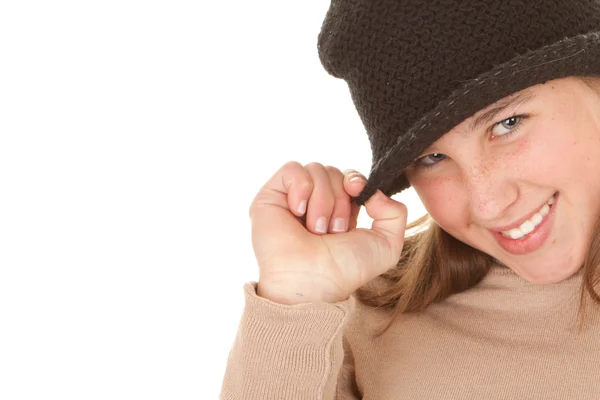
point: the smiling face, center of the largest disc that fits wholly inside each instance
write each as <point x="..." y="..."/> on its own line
<point x="479" y="181"/>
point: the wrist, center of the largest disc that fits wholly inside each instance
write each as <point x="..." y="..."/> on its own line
<point x="286" y="296"/>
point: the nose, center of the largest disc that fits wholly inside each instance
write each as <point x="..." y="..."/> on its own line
<point x="490" y="189"/>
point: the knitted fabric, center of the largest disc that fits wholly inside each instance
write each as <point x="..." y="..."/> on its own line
<point x="416" y="69"/>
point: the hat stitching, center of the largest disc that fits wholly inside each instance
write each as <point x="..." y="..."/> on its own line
<point x="564" y="45"/>
<point x="548" y="62"/>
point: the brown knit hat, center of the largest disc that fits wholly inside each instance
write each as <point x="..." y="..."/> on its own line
<point x="416" y="69"/>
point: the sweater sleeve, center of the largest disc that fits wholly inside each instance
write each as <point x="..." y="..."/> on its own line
<point x="290" y="351"/>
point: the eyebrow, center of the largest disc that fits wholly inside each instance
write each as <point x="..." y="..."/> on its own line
<point x="501" y="105"/>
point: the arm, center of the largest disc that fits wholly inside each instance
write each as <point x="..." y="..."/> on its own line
<point x="290" y="351"/>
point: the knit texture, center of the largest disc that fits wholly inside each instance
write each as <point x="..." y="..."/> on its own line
<point x="416" y="69"/>
<point x="505" y="338"/>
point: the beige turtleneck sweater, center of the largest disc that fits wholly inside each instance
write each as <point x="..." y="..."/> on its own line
<point x="506" y="338"/>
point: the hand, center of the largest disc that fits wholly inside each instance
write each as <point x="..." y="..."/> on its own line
<point x="300" y="264"/>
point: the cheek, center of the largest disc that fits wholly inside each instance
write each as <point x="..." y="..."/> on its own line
<point x="526" y="160"/>
<point x="538" y="157"/>
<point x="443" y="199"/>
<point x="573" y="162"/>
<point x="554" y="155"/>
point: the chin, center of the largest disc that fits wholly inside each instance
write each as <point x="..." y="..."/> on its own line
<point x="545" y="273"/>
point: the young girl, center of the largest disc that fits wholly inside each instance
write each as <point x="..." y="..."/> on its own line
<point x="490" y="110"/>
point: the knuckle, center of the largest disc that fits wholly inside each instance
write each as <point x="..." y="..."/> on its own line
<point x="313" y="165"/>
<point x="342" y="197"/>
<point x="403" y="208"/>
<point x="292" y="164"/>
<point x="252" y="208"/>
<point x="333" y="170"/>
<point x="337" y="180"/>
<point x="305" y="185"/>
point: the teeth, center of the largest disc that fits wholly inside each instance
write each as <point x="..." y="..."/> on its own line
<point x="528" y="226"/>
<point x="537" y="218"/>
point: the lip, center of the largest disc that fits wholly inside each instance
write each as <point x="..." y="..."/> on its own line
<point x="534" y="240"/>
<point x="520" y="221"/>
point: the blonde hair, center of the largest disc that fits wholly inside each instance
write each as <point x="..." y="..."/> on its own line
<point x="434" y="265"/>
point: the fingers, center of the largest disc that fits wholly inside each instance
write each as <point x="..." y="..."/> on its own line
<point x="330" y="200"/>
<point x="354" y="182"/>
<point x="319" y="196"/>
<point x="341" y="209"/>
<point x="321" y="201"/>
<point x="287" y="188"/>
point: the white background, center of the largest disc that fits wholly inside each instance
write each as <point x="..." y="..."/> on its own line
<point x="133" y="138"/>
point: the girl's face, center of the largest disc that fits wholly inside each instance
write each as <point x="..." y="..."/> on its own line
<point x="477" y="181"/>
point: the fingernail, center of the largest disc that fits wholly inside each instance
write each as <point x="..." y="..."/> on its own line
<point x="339" y="225"/>
<point x="302" y="207"/>
<point x="321" y="225"/>
<point x="356" y="178"/>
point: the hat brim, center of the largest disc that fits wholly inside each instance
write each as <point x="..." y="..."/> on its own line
<point x="578" y="55"/>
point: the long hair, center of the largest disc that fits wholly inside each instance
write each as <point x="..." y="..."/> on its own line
<point x="434" y="265"/>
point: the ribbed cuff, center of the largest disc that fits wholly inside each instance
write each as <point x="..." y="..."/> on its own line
<point x="286" y="351"/>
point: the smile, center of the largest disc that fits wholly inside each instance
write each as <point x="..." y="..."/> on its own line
<point x="532" y="233"/>
<point x="529" y="225"/>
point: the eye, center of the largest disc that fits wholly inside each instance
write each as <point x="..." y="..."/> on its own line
<point x="506" y="127"/>
<point x="430" y="160"/>
<point x="502" y="129"/>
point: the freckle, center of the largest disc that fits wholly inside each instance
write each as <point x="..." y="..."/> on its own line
<point x="438" y="181"/>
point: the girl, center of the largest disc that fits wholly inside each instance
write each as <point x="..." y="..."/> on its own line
<point x="490" y="110"/>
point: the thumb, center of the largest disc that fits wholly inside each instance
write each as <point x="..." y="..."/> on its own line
<point x="389" y="219"/>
